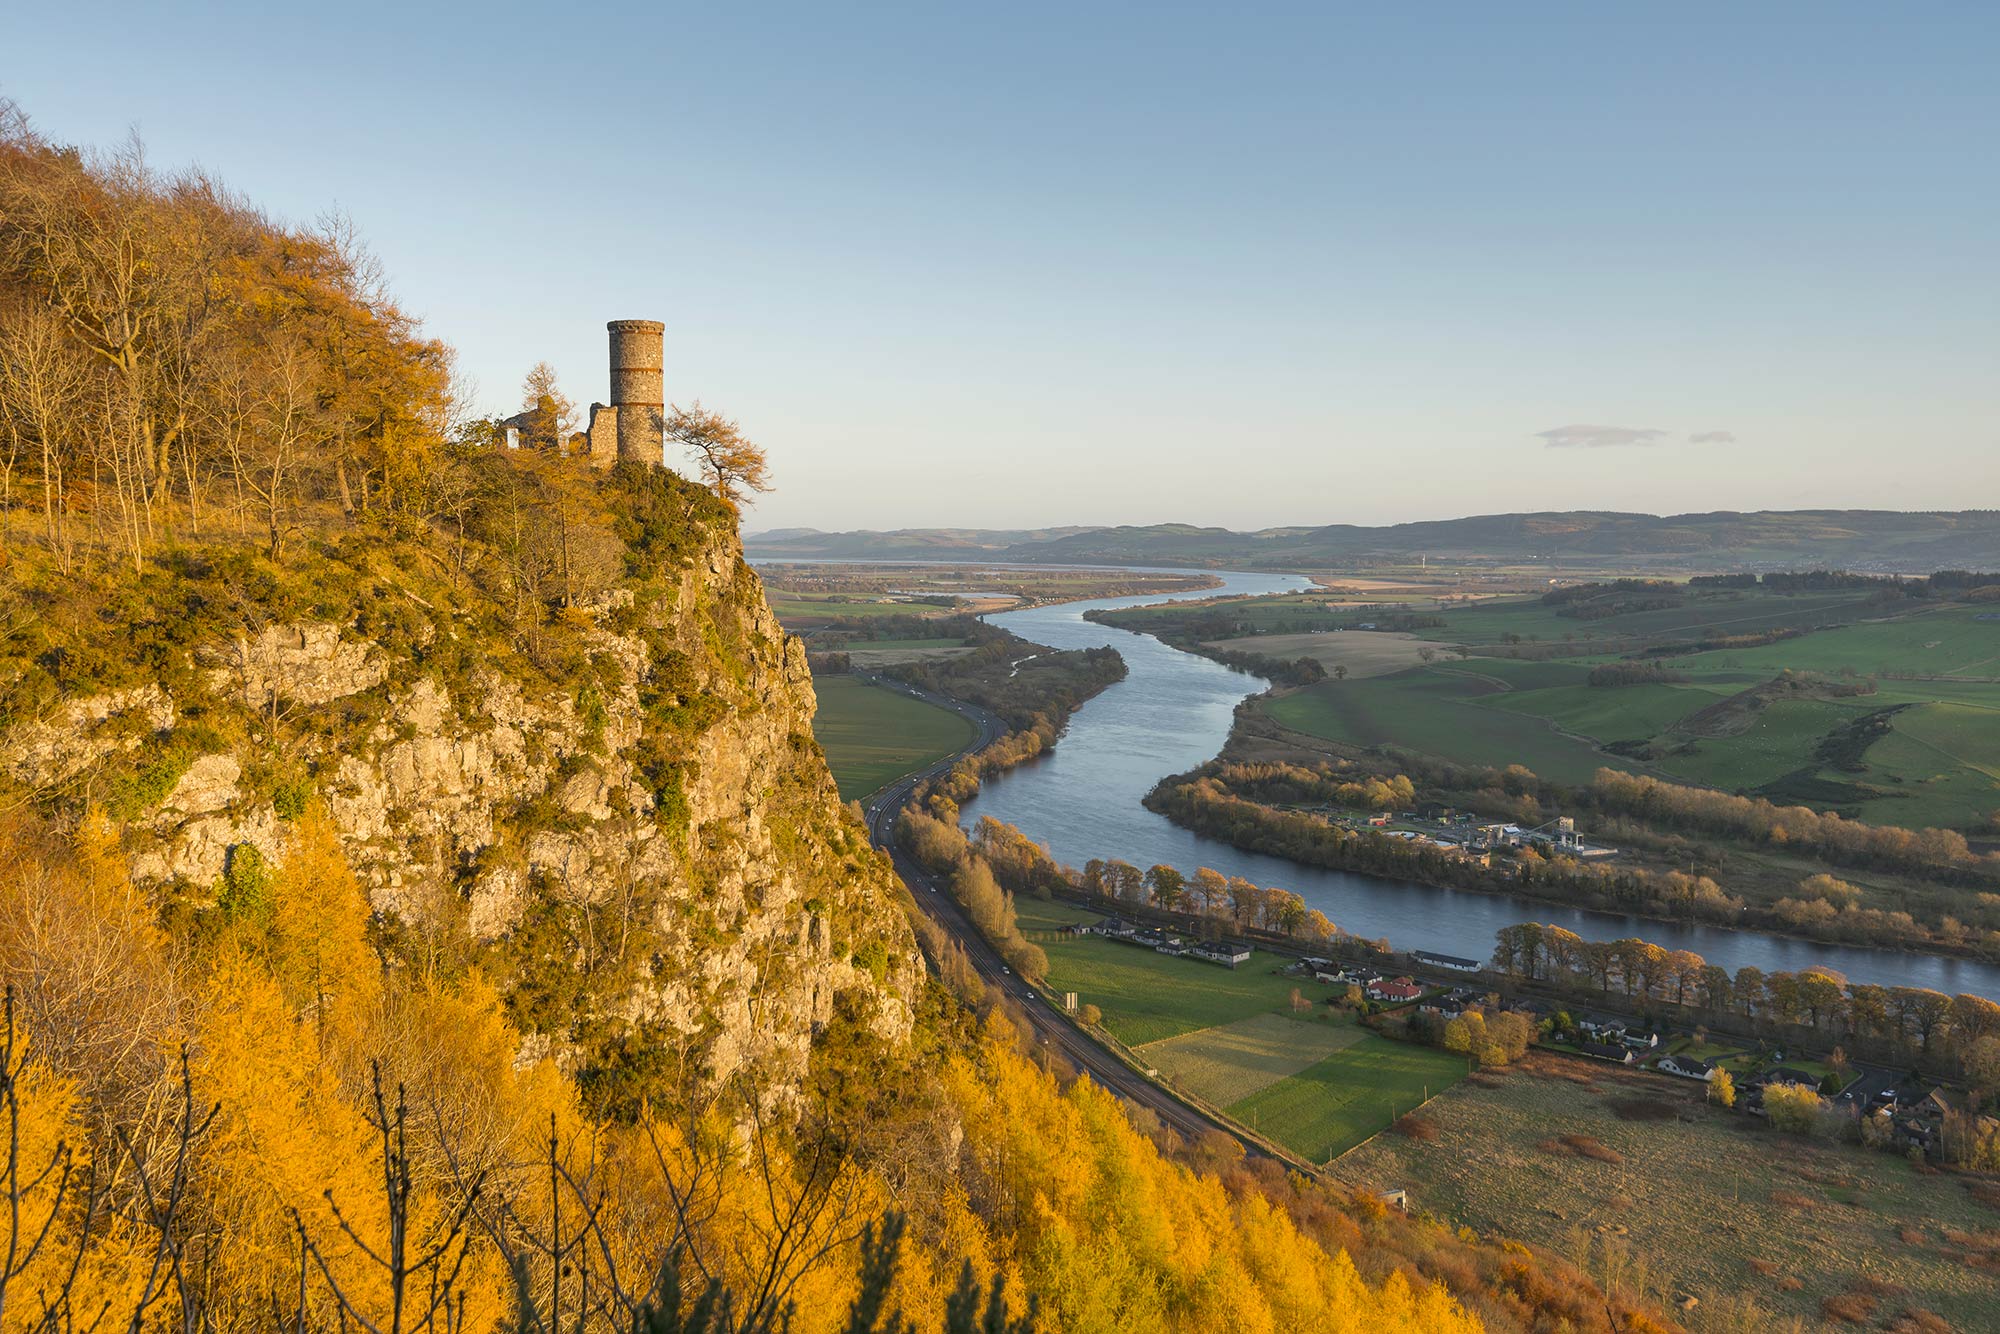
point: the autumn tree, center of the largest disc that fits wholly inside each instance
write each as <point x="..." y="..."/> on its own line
<point x="1792" y="1108"/>
<point x="1168" y="886"/>
<point x="551" y="413"/>
<point x="730" y="463"/>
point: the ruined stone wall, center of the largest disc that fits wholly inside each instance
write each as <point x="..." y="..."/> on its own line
<point x="601" y="437"/>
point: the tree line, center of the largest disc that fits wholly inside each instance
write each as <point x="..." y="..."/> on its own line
<point x="1239" y="804"/>
<point x="1958" y="1033"/>
<point x="1692" y="825"/>
<point x="173" y="360"/>
<point x="1824" y="835"/>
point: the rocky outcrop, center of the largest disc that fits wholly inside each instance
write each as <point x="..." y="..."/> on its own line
<point x="670" y="795"/>
<point x="298" y="664"/>
<point x="49" y="752"/>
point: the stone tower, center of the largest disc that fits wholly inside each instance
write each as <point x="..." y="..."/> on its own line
<point x="638" y="388"/>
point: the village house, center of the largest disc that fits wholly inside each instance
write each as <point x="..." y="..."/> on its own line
<point x="1224" y="953"/>
<point x="1687" y="1067"/>
<point x="1451" y="961"/>
<point x="1397" y="992"/>
<point x="1601" y="1030"/>
<point x="1606" y="1051"/>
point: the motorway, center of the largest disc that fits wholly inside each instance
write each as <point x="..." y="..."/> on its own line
<point x="1049" y="1027"/>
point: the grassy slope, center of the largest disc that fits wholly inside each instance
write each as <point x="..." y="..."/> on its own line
<point x="1702" y="1196"/>
<point x="873" y="736"/>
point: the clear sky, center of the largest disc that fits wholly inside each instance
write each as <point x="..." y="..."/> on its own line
<point x="1015" y="265"/>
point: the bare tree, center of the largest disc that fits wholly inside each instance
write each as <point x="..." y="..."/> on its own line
<point x="730" y="463"/>
<point x="420" y="1271"/>
<point x="44" y="384"/>
<point x="281" y="403"/>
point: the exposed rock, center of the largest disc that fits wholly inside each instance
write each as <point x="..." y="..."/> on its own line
<point x="496" y="793"/>
<point x="83" y="732"/>
<point x="299" y="664"/>
<point x="208" y="785"/>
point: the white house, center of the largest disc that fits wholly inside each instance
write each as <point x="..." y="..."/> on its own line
<point x="1687" y="1067"/>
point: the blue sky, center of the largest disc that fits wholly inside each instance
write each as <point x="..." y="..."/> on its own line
<point x="1022" y="265"/>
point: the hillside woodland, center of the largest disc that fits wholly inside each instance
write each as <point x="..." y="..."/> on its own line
<point x="423" y="906"/>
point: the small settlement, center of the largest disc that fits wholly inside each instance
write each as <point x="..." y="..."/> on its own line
<point x="1228" y="953"/>
<point x="1462" y="833"/>
<point x="1894" y="1110"/>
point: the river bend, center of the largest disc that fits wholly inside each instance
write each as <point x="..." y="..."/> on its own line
<point x="1173" y="712"/>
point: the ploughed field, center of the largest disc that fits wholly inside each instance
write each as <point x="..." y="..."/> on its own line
<point x="872" y="735"/>
<point x="1889" y="714"/>
<point x="1634" y="1175"/>
<point x="1310" y="1078"/>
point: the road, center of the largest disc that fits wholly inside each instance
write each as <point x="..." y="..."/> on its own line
<point x="1045" y="1023"/>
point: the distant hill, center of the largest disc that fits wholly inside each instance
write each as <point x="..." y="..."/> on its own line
<point x="1877" y="540"/>
<point x="901" y="544"/>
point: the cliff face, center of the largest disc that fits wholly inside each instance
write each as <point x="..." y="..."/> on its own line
<point x="626" y="816"/>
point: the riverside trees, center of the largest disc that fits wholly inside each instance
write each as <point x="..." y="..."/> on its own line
<point x="1905" y="1024"/>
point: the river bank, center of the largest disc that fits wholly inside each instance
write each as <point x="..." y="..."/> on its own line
<point x="1173" y="713"/>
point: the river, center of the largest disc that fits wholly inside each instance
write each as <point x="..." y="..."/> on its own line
<point x="1173" y="712"/>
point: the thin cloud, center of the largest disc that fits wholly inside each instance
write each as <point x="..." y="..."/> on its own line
<point x="1712" y="438"/>
<point x="1600" y="437"/>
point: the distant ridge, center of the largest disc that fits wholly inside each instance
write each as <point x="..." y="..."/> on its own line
<point x="913" y="543"/>
<point x="1886" y="541"/>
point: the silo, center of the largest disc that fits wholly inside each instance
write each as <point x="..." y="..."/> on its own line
<point x="638" y="387"/>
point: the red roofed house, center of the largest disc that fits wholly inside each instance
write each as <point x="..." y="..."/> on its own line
<point x="1402" y="989"/>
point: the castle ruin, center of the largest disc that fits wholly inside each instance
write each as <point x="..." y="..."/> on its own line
<point x="629" y="427"/>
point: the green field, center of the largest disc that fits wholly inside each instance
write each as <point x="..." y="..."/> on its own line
<point x="1945" y="759"/>
<point x="1340" y="1101"/>
<point x="1699" y="616"/>
<point x="1628" y="713"/>
<point x="1939" y="764"/>
<point x="1441" y="711"/>
<point x="1945" y="642"/>
<point x="1146" y="996"/>
<point x="1317" y="1083"/>
<point x="874" y="736"/>
<point x="1225" y="1064"/>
